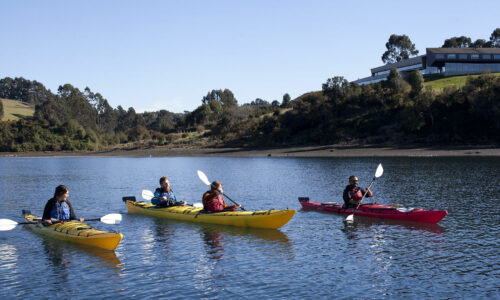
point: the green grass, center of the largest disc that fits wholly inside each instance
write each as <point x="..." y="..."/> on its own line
<point x="15" y="110"/>
<point x="457" y="81"/>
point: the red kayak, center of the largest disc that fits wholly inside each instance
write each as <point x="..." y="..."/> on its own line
<point x="378" y="211"/>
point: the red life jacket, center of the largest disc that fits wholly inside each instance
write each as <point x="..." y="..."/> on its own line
<point x="215" y="203"/>
<point x="356" y="194"/>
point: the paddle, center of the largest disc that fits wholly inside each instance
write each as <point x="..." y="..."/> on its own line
<point x="378" y="173"/>
<point x="6" y="224"/>
<point x="205" y="180"/>
<point x="148" y="195"/>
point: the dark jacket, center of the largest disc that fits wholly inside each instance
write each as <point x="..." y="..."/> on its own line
<point x="348" y="191"/>
<point x="50" y="205"/>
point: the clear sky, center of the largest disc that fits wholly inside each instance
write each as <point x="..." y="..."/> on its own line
<point x="154" y="55"/>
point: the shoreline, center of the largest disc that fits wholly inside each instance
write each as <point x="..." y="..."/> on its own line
<point x="306" y="151"/>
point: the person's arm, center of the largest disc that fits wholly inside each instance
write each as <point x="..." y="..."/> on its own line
<point x="72" y="215"/>
<point x="346" y="196"/>
<point x="156" y="199"/>
<point x="204" y="200"/>
<point x="367" y="191"/>
<point x="47" y="209"/>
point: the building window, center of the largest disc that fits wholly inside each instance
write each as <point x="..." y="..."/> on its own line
<point x="497" y="56"/>
<point x="474" y="56"/>
<point x="462" y="56"/>
<point x="452" y="56"/>
<point x="486" y="56"/>
<point x="439" y="56"/>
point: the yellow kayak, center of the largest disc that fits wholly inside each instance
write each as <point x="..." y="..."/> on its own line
<point x="76" y="232"/>
<point x="255" y="219"/>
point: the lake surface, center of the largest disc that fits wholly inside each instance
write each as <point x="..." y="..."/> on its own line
<point x="314" y="255"/>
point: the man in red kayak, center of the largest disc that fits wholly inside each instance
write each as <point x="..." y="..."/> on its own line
<point x="353" y="194"/>
<point x="213" y="201"/>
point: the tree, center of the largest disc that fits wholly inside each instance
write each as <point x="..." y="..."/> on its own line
<point x="226" y="97"/>
<point x="395" y="80"/>
<point x="286" y="100"/>
<point x="260" y="103"/>
<point x="335" y="88"/>
<point x="495" y="38"/>
<point x="416" y="80"/>
<point x="1" y="109"/>
<point x="480" y="43"/>
<point x="398" y="47"/>
<point x="458" y="42"/>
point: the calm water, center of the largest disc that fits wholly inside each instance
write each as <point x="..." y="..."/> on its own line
<point x="314" y="255"/>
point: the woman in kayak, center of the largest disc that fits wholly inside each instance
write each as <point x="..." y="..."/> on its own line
<point x="59" y="208"/>
<point x="213" y="201"/>
<point x="353" y="194"/>
<point x="164" y="196"/>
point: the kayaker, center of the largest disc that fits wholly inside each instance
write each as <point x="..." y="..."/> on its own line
<point x="353" y="194"/>
<point x="164" y="196"/>
<point x="59" y="208"/>
<point x="213" y="201"/>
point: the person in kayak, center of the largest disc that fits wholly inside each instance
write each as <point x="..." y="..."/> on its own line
<point x="353" y="194"/>
<point x="58" y="208"/>
<point x="164" y="196"/>
<point x="213" y="201"/>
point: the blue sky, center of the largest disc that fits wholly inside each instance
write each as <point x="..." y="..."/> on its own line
<point x="154" y="55"/>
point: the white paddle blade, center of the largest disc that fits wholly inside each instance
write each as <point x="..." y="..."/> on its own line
<point x="6" y="224"/>
<point x="198" y="205"/>
<point x="379" y="171"/>
<point x="203" y="177"/>
<point x="350" y="218"/>
<point x="147" y="195"/>
<point x="112" y="219"/>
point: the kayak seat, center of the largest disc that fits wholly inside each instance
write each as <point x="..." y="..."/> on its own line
<point x="129" y="198"/>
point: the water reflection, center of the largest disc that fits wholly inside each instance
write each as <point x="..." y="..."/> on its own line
<point x="8" y="264"/>
<point x="8" y="256"/>
<point x="361" y="222"/>
<point x="61" y="254"/>
<point x="221" y="242"/>
<point x="214" y="241"/>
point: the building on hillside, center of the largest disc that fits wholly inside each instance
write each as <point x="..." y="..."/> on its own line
<point x="445" y="61"/>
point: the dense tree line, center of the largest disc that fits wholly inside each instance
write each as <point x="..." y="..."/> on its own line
<point x="393" y="111"/>
<point x="466" y="42"/>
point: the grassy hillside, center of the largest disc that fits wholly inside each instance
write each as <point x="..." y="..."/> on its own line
<point x="458" y="81"/>
<point x="14" y="110"/>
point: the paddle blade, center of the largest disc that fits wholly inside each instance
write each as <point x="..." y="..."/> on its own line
<point x="350" y="218"/>
<point x="6" y="224"/>
<point x="112" y="219"/>
<point x="203" y="177"/>
<point x="147" y="195"/>
<point x="379" y="171"/>
<point x="198" y="205"/>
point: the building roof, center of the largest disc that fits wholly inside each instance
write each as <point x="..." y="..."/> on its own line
<point x="403" y="63"/>
<point x="465" y="50"/>
<point x="370" y="78"/>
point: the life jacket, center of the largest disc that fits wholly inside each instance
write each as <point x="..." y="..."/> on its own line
<point x="356" y="194"/>
<point x="60" y="211"/>
<point x="160" y="193"/>
<point x="213" y="202"/>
